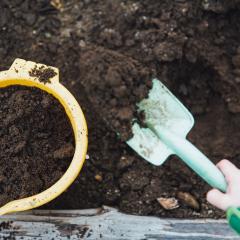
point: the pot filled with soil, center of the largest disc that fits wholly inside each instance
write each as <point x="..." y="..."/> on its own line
<point x="43" y="136"/>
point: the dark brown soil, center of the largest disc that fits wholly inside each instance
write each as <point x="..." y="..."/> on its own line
<point x="36" y="142"/>
<point x="126" y="80"/>
<point x="42" y="74"/>
<point x="107" y="52"/>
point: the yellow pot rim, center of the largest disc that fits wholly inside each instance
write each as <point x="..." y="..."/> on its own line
<point x="18" y="74"/>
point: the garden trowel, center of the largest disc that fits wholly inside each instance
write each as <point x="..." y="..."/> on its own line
<point x="167" y="123"/>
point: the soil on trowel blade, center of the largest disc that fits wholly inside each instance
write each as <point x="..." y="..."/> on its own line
<point x="107" y="53"/>
<point x="115" y="84"/>
<point x="36" y="142"/>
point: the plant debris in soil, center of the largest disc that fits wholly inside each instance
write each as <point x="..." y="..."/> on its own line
<point x="43" y="74"/>
<point x="107" y="53"/>
<point x="36" y="142"/>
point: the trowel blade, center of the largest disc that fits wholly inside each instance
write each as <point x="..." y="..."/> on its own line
<point x="164" y="109"/>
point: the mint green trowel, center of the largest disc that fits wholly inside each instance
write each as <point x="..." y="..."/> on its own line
<point x="167" y="124"/>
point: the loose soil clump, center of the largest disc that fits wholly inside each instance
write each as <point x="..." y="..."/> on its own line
<point x="36" y="142"/>
<point x="116" y="87"/>
<point x="43" y="74"/>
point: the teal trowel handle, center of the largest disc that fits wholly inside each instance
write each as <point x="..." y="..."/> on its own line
<point x="233" y="216"/>
<point x="193" y="158"/>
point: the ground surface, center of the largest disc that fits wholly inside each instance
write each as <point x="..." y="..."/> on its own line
<point x="92" y="224"/>
<point x="107" y="51"/>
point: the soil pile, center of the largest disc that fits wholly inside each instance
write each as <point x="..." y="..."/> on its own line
<point x="36" y="142"/>
<point x="107" y="52"/>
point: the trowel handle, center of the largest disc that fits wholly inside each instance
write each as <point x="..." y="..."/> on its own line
<point x="193" y="158"/>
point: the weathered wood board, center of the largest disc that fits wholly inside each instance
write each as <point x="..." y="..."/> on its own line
<point x="108" y="224"/>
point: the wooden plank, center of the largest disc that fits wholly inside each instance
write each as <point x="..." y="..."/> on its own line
<point x="108" y="224"/>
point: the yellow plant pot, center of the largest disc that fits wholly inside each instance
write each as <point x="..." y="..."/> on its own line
<point x="18" y="74"/>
